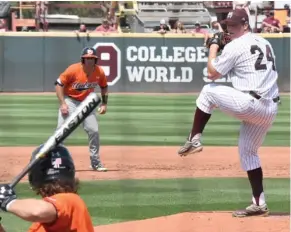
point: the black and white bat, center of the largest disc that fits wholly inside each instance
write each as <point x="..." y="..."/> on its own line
<point x="70" y="124"/>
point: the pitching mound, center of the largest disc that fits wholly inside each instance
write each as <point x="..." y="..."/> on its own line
<point x="201" y="222"/>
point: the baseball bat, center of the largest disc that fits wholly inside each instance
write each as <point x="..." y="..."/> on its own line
<point x="70" y="124"/>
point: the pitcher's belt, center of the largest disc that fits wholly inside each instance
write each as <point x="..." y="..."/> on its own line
<point x="253" y="94"/>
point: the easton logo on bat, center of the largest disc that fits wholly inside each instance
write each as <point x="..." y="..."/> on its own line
<point x="76" y="121"/>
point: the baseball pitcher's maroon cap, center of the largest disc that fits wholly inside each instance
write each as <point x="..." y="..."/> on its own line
<point x="238" y="16"/>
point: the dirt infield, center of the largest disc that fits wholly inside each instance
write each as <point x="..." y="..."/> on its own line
<point x="202" y="222"/>
<point x="163" y="162"/>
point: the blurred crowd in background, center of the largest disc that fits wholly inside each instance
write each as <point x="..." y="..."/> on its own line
<point x="140" y="17"/>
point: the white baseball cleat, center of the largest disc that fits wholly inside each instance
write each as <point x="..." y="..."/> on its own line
<point x="190" y="147"/>
<point x="96" y="165"/>
<point x="99" y="168"/>
<point x="253" y="210"/>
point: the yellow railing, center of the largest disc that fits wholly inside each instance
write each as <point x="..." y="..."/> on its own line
<point x="131" y="11"/>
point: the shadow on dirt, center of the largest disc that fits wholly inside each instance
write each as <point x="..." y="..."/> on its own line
<point x="89" y="170"/>
<point x="278" y="214"/>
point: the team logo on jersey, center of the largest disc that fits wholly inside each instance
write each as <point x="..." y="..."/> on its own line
<point x="84" y="86"/>
<point x="110" y="60"/>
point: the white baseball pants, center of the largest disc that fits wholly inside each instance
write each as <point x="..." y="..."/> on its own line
<point x="257" y="117"/>
<point x="90" y="125"/>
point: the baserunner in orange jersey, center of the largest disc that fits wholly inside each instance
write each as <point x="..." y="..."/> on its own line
<point x="73" y="86"/>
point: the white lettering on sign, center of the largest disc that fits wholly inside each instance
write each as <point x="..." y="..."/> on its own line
<point x="187" y="74"/>
<point x="129" y="56"/>
<point x="159" y="74"/>
<point x="153" y="54"/>
<point x="149" y="74"/>
<point x="162" y="74"/>
<point x="163" y="64"/>
<point x="178" y="54"/>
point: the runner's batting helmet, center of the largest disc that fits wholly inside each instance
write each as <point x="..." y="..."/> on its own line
<point x="57" y="165"/>
<point x="89" y="52"/>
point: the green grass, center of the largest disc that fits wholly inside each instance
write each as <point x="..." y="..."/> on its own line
<point x="116" y="201"/>
<point x="131" y="120"/>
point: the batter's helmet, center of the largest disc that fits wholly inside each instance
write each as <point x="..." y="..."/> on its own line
<point x="89" y="52"/>
<point x="57" y="165"/>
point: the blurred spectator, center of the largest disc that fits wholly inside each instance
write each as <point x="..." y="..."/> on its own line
<point x="123" y="20"/>
<point x="2" y="25"/>
<point x="24" y="29"/>
<point x="287" y="7"/>
<point x="198" y="30"/>
<point x="82" y="28"/>
<point x="105" y="27"/>
<point x="112" y="20"/>
<point x="288" y="23"/>
<point x="179" y="28"/>
<point x="41" y="11"/>
<point x="215" y="27"/>
<point x="271" y="24"/>
<point x="163" y="28"/>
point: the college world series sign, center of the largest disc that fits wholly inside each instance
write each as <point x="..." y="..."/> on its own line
<point x="179" y="66"/>
<point x="133" y="63"/>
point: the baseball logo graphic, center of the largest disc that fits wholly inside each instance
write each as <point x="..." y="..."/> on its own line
<point x="229" y="15"/>
<point x="90" y="52"/>
<point x="57" y="162"/>
<point x="2" y="190"/>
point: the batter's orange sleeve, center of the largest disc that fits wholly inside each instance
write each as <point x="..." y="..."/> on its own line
<point x="63" y="213"/>
<point x="67" y="76"/>
<point x="103" y="79"/>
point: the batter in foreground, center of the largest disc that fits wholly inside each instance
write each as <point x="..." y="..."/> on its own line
<point x="61" y="208"/>
<point x="72" y="87"/>
<point x="249" y="61"/>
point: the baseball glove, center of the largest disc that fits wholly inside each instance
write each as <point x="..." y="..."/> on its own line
<point x="219" y="38"/>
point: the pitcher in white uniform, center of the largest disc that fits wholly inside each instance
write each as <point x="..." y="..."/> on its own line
<point x="250" y="63"/>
